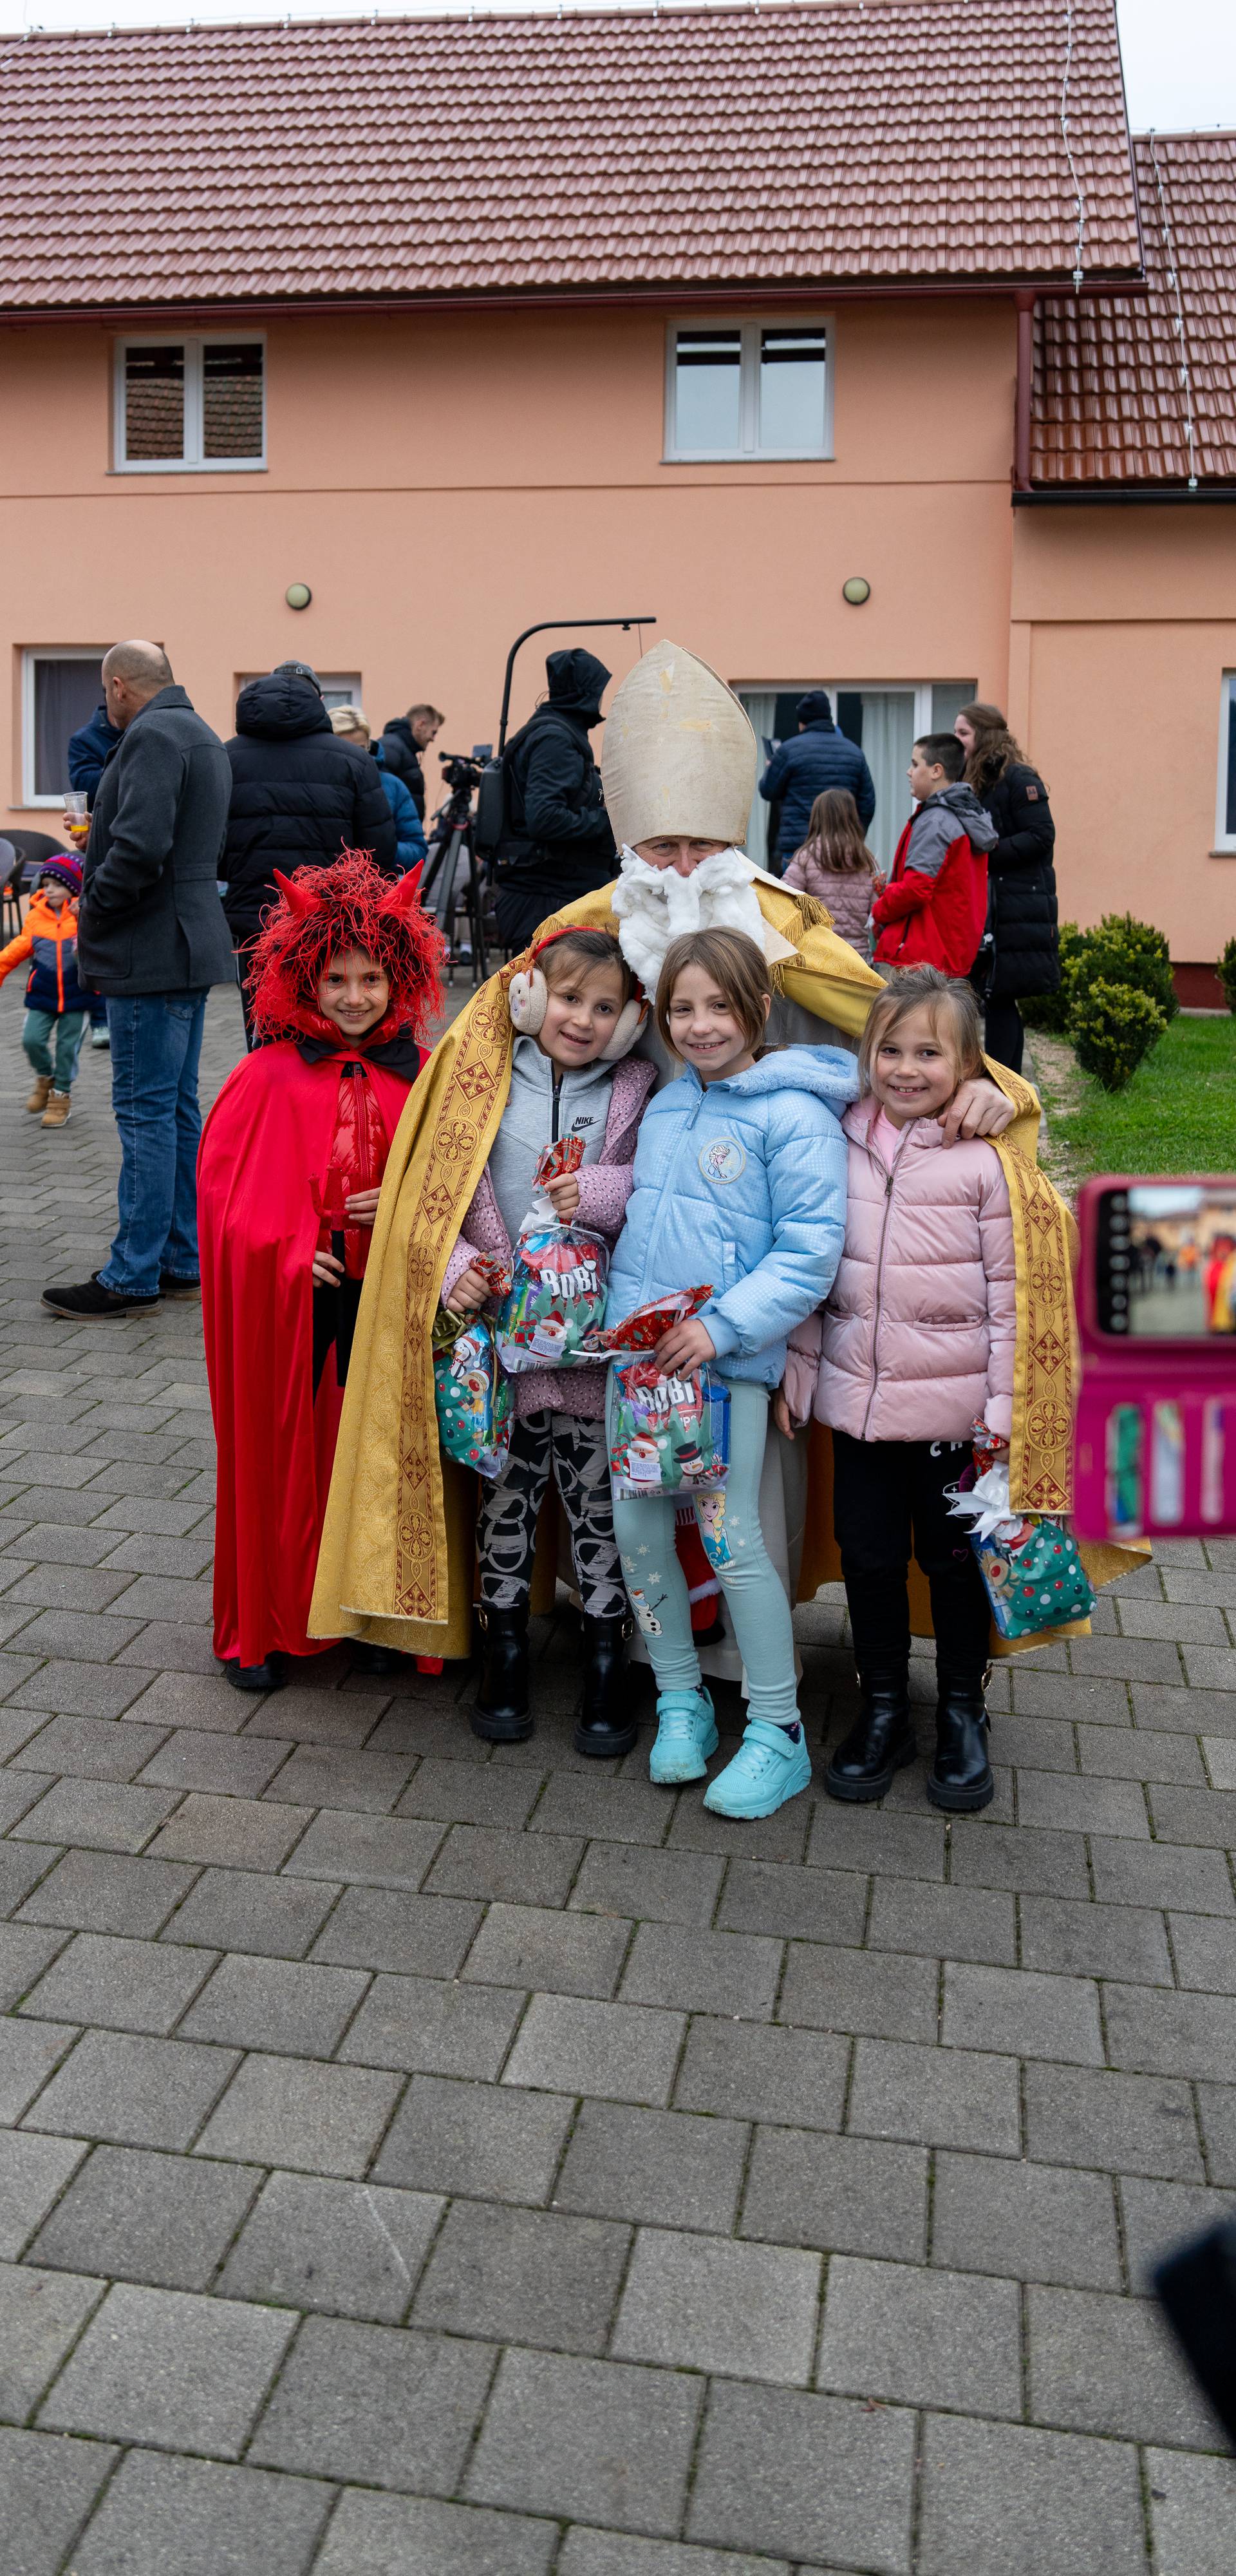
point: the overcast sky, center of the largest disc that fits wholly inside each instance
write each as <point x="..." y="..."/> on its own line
<point x="1179" y="55"/>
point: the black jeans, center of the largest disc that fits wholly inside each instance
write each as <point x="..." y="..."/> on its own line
<point x="885" y="1493"/>
<point x="1004" y="1036"/>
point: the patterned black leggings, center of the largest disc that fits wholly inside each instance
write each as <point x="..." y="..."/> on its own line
<point x="578" y="1454"/>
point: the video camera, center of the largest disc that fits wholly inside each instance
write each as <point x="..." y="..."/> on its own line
<point x="462" y="770"/>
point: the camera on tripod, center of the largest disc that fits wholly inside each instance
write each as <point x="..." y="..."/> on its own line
<point x="460" y="771"/>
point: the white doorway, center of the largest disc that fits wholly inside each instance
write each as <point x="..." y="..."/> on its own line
<point x="885" y="719"/>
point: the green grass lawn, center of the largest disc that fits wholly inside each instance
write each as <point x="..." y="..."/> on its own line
<point x="1177" y="1115"/>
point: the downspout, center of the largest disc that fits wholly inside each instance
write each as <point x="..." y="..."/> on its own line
<point x="1025" y="387"/>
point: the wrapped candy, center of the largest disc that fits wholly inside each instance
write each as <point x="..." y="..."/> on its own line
<point x="1029" y="1561"/>
<point x="644" y="1328"/>
<point x="472" y="1395"/>
<point x="668" y="1434"/>
<point x="557" y="1294"/>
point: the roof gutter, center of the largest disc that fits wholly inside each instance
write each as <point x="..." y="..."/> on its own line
<point x="1124" y="496"/>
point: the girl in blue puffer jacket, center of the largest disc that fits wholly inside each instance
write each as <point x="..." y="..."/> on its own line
<point x="740" y="1177"/>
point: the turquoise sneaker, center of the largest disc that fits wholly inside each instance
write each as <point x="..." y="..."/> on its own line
<point x="686" y="1735"/>
<point x="768" y="1768"/>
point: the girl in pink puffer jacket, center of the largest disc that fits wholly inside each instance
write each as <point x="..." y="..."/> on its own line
<point x="836" y="866"/>
<point x="917" y="1345"/>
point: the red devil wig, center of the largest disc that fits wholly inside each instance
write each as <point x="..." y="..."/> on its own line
<point x="321" y="913"/>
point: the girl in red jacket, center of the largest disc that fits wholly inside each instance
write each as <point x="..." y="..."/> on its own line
<point x="345" y="980"/>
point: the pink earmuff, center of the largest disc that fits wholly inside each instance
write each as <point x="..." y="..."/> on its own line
<point x="528" y="1000"/>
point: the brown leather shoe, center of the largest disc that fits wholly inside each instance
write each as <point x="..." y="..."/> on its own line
<point x="37" y="1101"/>
<point x="58" y="1110"/>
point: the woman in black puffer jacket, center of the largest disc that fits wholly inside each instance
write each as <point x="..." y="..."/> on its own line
<point x="1021" y="878"/>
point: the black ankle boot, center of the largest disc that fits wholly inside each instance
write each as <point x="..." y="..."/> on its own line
<point x="881" y="1739"/>
<point x="378" y="1660"/>
<point x="960" y="1777"/>
<point x="605" y="1726"/>
<point x="502" y="1714"/>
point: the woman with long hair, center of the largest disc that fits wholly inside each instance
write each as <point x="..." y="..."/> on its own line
<point x="836" y="866"/>
<point x="1021" y="877"/>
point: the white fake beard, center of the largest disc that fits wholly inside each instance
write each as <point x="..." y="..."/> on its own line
<point x="655" y="906"/>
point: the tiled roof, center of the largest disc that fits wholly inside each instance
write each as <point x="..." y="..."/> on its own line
<point x="879" y="141"/>
<point x="1117" y="383"/>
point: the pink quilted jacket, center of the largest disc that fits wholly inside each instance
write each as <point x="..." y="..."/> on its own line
<point x="847" y="893"/>
<point x="604" y="1188"/>
<point x="919" y="1329"/>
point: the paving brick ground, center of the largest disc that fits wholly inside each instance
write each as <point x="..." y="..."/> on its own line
<point x="424" y="2161"/>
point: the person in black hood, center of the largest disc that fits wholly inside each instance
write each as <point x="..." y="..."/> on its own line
<point x="301" y="795"/>
<point x="555" y="800"/>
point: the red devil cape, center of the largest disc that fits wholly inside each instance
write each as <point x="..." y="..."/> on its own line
<point x="268" y="1137"/>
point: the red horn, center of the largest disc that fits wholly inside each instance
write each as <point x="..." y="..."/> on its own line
<point x="405" y="894"/>
<point x="298" y="898"/>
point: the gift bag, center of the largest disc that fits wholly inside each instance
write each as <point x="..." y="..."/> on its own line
<point x="668" y="1435"/>
<point x="645" y="1326"/>
<point x="1029" y="1561"/>
<point x="557" y="1292"/>
<point x="472" y="1395"/>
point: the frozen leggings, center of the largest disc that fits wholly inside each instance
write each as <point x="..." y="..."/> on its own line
<point x="577" y="1453"/>
<point x="884" y="1493"/>
<point x="734" y="1544"/>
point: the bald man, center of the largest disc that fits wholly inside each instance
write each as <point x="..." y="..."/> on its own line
<point x="151" y="937"/>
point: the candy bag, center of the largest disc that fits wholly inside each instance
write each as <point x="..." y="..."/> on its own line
<point x="1029" y="1561"/>
<point x="668" y="1434"/>
<point x="642" y="1330"/>
<point x="473" y="1397"/>
<point x="558" y="1285"/>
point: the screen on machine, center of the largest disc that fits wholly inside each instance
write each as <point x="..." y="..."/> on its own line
<point x="1166" y="1261"/>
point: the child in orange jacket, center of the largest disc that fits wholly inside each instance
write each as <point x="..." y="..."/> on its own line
<point x="57" y="1003"/>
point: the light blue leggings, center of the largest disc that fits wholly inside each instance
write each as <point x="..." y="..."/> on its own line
<point x="734" y="1543"/>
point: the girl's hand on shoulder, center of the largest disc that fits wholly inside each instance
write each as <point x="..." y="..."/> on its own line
<point x="563" y="1195"/>
<point x="468" y="1294"/>
<point x="362" y="1207"/>
<point x="685" y="1346"/>
<point x="327" y="1270"/>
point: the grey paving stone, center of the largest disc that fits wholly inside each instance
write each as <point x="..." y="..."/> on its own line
<point x="664" y="2167"/>
<point x="240" y="1833"/>
<point x="1043" y="1863"/>
<point x="943" y="2097"/>
<point x="1082" y="1804"/>
<point x="81" y="1689"/>
<point x="93" y="1891"/>
<point x="1124" y="2123"/>
<point x="628" y="1879"/>
<point x="818" y="2478"/>
<point x="380" y="1851"/>
<point x="1067" y="1939"/>
<point x="347" y="2249"/>
<point x="1206" y="1667"/>
<point x="1017" y="2009"/>
<point x="1205" y="1953"/>
<point x="1205" y="1815"/>
<point x="524" y="2276"/>
<point x="802" y="1904"/>
<point x="1003" y="2496"/>
<point x="557" y="1953"/>
<point x="1166" y="1874"/>
<point x="1190" y="1712"/>
<point x="377" y="1927"/>
<point x="1100" y="2365"/>
<point x="193" y="1699"/>
<point x="617" y="1811"/>
<point x="430" y="1724"/>
<point x="1157" y="2216"/>
<point x="1033" y="2222"/>
<point x="132" y="2091"/>
<point x="249" y="1910"/>
<point x="1042" y="1743"/>
<point x="25" y="1951"/>
<point x="28" y="2052"/>
<point x="377" y="2405"/>
<point x="316" y="1713"/>
<point x="938" y="2339"/>
<point x="311" y="2118"/>
<point x="469" y="1793"/>
<point x="412" y="2536"/>
<point x="21" y="1868"/>
<point x="1159" y="2034"/>
<point x="486" y="2142"/>
<point x="118" y="1984"/>
<point x="526" y="1869"/>
<point x="890" y="1996"/>
<point x="41" y="2315"/>
<point x="1193" y="2511"/>
<point x="1145" y="1753"/>
<point x="621" y="2052"/>
<point x="1131" y="1659"/>
<point x="90" y="1748"/>
<point x="571" y="2437"/>
<point x="845" y="2195"/>
<point x="239" y="1766"/>
<point x="337" y="1775"/>
<point x="720" y="1972"/>
<point x="782" y="1837"/>
<point x="162" y="2367"/>
<point x="433" y="2025"/>
<point x="33" y="2173"/>
<point x="98" y="1813"/>
<point x="136" y="2216"/>
<point x="694" y="2303"/>
<point x="76" y="1634"/>
<point x="748" y="2071"/>
<point x="1217" y="2103"/>
<point x="200" y="2519"/>
<point x="942" y="1922"/>
<point x="607" y="2553"/>
<point x="48" y="2485"/>
<point x="275" y="2004"/>
<point x="874" y="1838"/>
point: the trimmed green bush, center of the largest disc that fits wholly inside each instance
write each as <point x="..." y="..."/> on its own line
<point x="1112" y="1027"/>
<point x="1125" y="951"/>
<point x="1050" y="1011"/>
<point x="1226" y="972"/>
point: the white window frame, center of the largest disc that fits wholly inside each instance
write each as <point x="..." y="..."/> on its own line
<point x="32" y="653"/>
<point x="1225" y="841"/>
<point x="193" y="461"/>
<point x="748" y="451"/>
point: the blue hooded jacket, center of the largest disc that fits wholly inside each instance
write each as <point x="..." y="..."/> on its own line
<point x="807" y="763"/>
<point x="741" y="1183"/>
<point x="409" y="829"/>
<point x="90" y="749"/>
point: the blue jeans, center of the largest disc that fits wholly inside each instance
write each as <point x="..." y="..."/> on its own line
<point x="66" y="1028"/>
<point x="156" y="1043"/>
<point x="734" y="1545"/>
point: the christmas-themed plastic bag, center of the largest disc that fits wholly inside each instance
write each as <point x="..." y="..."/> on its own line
<point x="643" y="1329"/>
<point x="1029" y="1561"/>
<point x="472" y="1395"/>
<point x="557" y="1292"/>
<point x="668" y="1435"/>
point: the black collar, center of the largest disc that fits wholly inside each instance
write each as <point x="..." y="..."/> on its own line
<point x="400" y="1055"/>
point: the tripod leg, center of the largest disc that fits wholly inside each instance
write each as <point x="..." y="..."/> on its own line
<point x="476" y="906"/>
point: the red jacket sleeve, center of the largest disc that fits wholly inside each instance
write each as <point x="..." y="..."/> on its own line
<point x="911" y="893"/>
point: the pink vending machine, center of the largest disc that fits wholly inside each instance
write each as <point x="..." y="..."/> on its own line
<point x="1156" y="1417"/>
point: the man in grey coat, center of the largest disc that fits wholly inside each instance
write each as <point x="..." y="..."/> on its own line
<point x="151" y="936"/>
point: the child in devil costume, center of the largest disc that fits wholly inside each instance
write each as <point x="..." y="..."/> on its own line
<point x="344" y="979"/>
